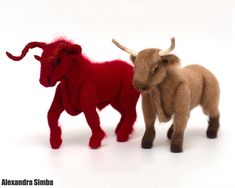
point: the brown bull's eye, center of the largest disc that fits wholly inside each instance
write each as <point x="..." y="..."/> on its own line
<point x="57" y="61"/>
<point x="155" y="69"/>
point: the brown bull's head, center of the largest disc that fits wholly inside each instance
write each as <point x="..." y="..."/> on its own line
<point x="56" y="59"/>
<point x="150" y="65"/>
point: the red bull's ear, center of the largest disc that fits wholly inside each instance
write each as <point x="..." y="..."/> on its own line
<point x="73" y="49"/>
<point x="37" y="57"/>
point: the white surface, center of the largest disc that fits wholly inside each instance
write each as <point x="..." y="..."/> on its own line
<point x="204" y="31"/>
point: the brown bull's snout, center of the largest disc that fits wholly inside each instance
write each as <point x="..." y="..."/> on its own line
<point x="141" y="86"/>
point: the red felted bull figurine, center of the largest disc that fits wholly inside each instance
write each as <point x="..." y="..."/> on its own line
<point x="84" y="86"/>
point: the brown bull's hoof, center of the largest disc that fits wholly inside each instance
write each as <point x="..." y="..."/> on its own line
<point x="147" y="144"/>
<point x="211" y="134"/>
<point x="176" y="149"/>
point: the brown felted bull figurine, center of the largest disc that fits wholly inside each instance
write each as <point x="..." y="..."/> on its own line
<point x="169" y="91"/>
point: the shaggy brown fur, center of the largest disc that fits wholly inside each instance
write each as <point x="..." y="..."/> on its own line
<point x="170" y="91"/>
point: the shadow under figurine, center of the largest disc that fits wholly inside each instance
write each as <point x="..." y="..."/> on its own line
<point x="83" y="87"/>
<point x="170" y="91"/>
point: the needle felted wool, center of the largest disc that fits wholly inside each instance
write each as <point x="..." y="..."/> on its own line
<point x="171" y="92"/>
<point x="84" y="86"/>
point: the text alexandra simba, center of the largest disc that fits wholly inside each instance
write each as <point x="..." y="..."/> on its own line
<point x="27" y="182"/>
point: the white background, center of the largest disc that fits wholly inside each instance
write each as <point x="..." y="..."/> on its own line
<point x="204" y="31"/>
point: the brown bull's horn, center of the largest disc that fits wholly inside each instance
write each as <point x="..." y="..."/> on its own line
<point x="129" y="51"/>
<point x="167" y="51"/>
<point x="26" y="49"/>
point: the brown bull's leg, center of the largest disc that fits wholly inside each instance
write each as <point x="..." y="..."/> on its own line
<point x="180" y="122"/>
<point x="213" y="127"/>
<point x="182" y="103"/>
<point x="149" y="118"/>
<point x="170" y="132"/>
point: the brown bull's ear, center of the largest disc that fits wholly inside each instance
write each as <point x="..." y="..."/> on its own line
<point x="132" y="58"/>
<point x="170" y="59"/>
<point x="73" y="49"/>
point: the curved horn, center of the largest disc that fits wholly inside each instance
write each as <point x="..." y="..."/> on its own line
<point x="26" y="49"/>
<point x="129" y="51"/>
<point x="167" y="51"/>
